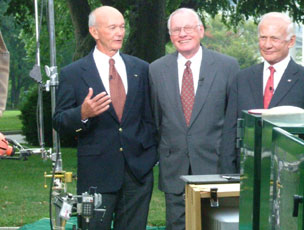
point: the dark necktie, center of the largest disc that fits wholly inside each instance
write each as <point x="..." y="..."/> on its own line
<point x="117" y="90"/>
<point x="269" y="88"/>
<point x="187" y="92"/>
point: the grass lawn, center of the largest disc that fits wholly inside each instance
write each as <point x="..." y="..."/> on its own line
<point x="23" y="198"/>
<point x="10" y="121"/>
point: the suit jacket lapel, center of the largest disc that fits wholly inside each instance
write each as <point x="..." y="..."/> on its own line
<point x="207" y="75"/>
<point x="133" y="81"/>
<point x="91" y="77"/>
<point x="256" y="85"/>
<point x="171" y="83"/>
<point x="287" y="81"/>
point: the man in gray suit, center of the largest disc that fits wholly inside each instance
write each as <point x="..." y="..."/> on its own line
<point x="189" y="91"/>
<point x="249" y="90"/>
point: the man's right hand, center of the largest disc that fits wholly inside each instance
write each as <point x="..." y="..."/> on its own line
<point x="92" y="107"/>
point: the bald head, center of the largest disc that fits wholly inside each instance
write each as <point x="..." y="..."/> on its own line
<point x="278" y="18"/>
<point x="107" y="27"/>
<point x="103" y="12"/>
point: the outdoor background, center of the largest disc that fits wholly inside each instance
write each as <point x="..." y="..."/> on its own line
<point x="230" y="28"/>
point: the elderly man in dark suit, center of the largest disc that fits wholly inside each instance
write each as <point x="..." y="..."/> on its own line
<point x="275" y="82"/>
<point x="189" y="91"/>
<point x="104" y="99"/>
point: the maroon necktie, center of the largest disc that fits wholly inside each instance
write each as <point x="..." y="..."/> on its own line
<point x="117" y="90"/>
<point x="187" y="92"/>
<point x="269" y="88"/>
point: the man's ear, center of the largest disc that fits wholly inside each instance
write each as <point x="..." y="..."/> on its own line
<point x="202" y="31"/>
<point x="292" y="41"/>
<point x="93" y="32"/>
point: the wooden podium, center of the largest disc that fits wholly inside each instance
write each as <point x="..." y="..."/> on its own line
<point x="199" y="187"/>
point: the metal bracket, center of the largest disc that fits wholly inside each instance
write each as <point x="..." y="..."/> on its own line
<point x="214" y="203"/>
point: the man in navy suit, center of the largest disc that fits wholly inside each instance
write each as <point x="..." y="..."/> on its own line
<point x="276" y="37"/>
<point x="115" y="129"/>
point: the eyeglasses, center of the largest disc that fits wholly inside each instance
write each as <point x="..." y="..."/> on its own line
<point x="187" y="29"/>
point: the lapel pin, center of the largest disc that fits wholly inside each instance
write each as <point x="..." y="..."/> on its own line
<point x="289" y="80"/>
<point x="135" y="75"/>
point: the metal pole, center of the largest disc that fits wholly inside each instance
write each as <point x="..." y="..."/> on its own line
<point x="302" y="28"/>
<point x="54" y="81"/>
<point x="37" y="34"/>
<point x="40" y="86"/>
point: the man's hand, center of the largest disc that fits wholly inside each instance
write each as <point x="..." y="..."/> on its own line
<point x="92" y="107"/>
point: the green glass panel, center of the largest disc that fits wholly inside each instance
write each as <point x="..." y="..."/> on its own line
<point x="251" y="148"/>
<point x="287" y="174"/>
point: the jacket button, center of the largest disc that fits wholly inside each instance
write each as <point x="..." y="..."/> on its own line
<point x="120" y="129"/>
<point x="120" y="149"/>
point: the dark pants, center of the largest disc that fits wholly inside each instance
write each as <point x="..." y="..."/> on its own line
<point x="128" y="207"/>
<point x="175" y="211"/>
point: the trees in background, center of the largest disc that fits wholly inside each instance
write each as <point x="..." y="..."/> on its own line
<point x="18" y="61"/>
<point x="17" y="23"/>
<point x="242" y="44"/>
<point x="146" y="36"/>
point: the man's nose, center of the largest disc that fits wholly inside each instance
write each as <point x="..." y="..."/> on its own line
<point x="268" y="43"/>
<point x="182" y="32"/>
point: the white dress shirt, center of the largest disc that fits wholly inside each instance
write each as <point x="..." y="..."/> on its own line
<point x="279" y="67"/>
<point x="195" y="66"/>
<point x="102" y="64"/>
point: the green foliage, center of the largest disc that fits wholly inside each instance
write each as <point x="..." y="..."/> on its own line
<point x="29" y="120"/>
<point x="19" y="65"/>
<point x="242" y="44"/>
<point x="65" y="42"/>
<point x="17" y="23"/>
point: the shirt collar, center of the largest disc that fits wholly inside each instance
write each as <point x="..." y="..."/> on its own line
<point x="103" y="57"/>
<point x="196" y="58"/>
<point x="280" y="66"/>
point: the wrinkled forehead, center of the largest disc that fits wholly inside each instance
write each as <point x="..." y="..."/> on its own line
<point x="183" y="18"/>
<point x="273" y="27"/>
<point x="109" y="17"/>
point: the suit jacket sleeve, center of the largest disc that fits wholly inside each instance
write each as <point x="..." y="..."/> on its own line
<point x="155" y="104"/>
<point x="229" y="158"/>
<point x="67" y="116"/>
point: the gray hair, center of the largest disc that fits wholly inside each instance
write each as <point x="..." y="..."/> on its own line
<point x="284" y="17"/>
<point x="184" y="10"/>
<point x="92" y="18"/>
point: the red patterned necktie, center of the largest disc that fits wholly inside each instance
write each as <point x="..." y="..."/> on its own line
<point x="269" y="88"/>
<point x="187" y="92"/>
<point x="117" y="90"/>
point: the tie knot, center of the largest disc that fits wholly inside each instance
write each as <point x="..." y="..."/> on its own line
<point x="272" y="70"/>
<point x="111" y="61"/>
<point x="188" y="63"/>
